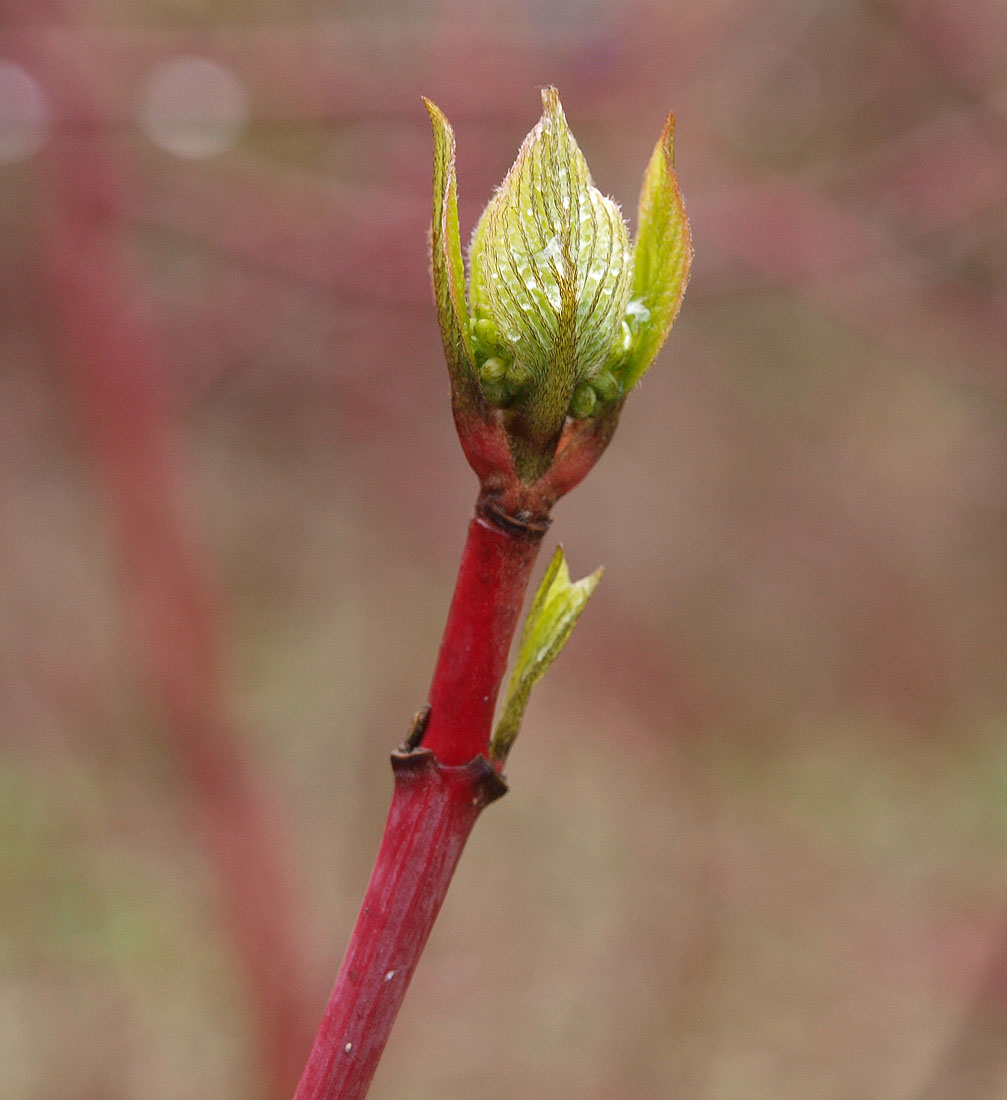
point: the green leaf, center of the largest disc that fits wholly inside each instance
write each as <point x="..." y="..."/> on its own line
<point x="553" y="614"/>
<point x="446" y="257"/>
<point x="662" y="258"/>
<point x="550" y="265"/>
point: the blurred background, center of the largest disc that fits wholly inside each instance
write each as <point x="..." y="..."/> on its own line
<point x="755" y="843"/>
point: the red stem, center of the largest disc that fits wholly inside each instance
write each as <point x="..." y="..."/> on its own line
<point x="492" y="579"/>
<point x="112" y="357"/>
<point x="433" y="810"/>
<point x="440" y="790"/>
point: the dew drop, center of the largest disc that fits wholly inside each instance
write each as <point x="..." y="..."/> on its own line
<point x="551" y="252"/>
<point x="638" y="311"/>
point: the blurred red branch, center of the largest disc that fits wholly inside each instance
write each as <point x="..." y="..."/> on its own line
<point x="117" y="376"/>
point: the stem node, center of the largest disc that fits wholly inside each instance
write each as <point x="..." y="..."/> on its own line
<point x="434" y="807"/>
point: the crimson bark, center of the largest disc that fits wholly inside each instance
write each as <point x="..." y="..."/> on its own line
<point x="433" y="810"/>
<point x="492" y="579"/>
<point x="440" y="790"/>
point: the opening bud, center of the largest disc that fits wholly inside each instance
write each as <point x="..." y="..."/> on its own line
<point x="555" y="292"/>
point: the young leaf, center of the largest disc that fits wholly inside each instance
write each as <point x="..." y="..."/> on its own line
<point x="550" y="266"/>
<point x="553" y="614"/>
<point x="661" y="258"/>
<point x="446" y="256"/>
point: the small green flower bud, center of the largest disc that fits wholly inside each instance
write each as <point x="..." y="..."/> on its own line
<point x="496" y="393"/>
<point x="517" y="375"/>
<point x="583" y="402"/>
<point x="493" y="370"/>
<point x="606" y="386"/>
<point x="485" y="332"/>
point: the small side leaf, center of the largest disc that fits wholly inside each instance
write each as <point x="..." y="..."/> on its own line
<point x="446" y="256"/>
<point x="662" y="257"/>
<point x="553" y="614"/>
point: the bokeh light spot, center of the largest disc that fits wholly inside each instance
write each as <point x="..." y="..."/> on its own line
<point x="25" y="116"/>
<point x="193" y="107"/>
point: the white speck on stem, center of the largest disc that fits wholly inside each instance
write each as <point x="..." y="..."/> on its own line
<point x="348" y="1047"/>
<point x="389" y="975"/>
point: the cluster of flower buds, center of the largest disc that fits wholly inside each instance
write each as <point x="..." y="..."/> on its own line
<point x="560" y="315"/>
<point x="505" y="379"/>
